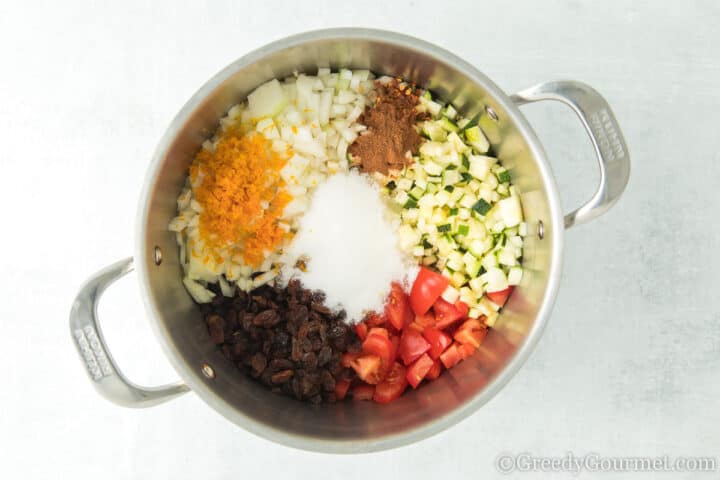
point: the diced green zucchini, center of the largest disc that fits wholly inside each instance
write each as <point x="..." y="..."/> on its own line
<point x="472" y="265"/>
<point x="509" y="211"/>
<point x="463" y="229"/>
<point x="473" y="121"/>
<point x="481" y="207"/>
<point x="433" y="107"/>
<point x="451" y="177"/>
<point x="410" y="203"/>
<point x="416" y="192"/>
<point x="401" y="197"/>
<point x="432" y="168"/>
<point x="434" y="132"/>
<point x="515" y="276"/>
<point x="404" y="184"/>
<point x="450" y="112"/>
<point x="448" y="125"/>
<point x="476" y="138"/>
<point x="503" y="175"/>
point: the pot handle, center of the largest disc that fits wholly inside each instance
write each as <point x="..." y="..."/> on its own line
<point x="89" y="341"/>
<point x="607" y="139"/>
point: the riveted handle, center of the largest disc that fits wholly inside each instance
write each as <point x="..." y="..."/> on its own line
<point x="101" y="368"/>
<point x="607" y="139"/>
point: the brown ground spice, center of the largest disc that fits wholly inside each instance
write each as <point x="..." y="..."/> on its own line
<point x="391" y="129"/>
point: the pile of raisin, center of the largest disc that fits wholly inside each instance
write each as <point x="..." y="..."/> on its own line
<point x="286" y="338"/>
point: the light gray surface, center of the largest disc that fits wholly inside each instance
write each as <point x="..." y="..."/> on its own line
<point x="628" y="364"/>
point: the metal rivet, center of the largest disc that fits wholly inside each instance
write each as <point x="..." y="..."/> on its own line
<point x="157" y="255"/>
<point x="208" y="371"/>
<point x="491" y="113"/>
<point x="541" y="229"/>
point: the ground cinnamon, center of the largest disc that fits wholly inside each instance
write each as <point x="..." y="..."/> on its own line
<point x="391" y="130"/>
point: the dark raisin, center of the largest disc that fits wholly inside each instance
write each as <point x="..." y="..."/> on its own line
<point x="328" y="381"/>
<point x="216" y="327"/>
<point x="310" y="360"/>
<point x="324" y="355"/>
<point x="267" y="318"/>
<point x="282" y="376"/>
<point x="320" y="308"/>
<point x="280" y="364"/>
<point x="258" y="362"/>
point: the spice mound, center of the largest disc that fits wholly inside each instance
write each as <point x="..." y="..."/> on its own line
<point x="391" y="134"/>
<point x="286" y="338"/>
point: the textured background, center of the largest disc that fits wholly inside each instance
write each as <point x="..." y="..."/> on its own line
<point x="628" y="364"/>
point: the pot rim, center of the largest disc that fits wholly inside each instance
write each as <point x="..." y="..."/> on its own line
<point x="195" y="380"/>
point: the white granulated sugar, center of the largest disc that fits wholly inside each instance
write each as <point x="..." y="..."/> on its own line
<point x="350" y="245"/>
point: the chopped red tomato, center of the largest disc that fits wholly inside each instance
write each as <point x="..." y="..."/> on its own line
<point x="434" y="371"/>
<point x="425" y="320"/>
<point x="378" y="344"/>
<point x="471" y="332"/>
<point x="397" y="309"/>
<point x="348" y="358"/>
<point x="412" y="345"/>
<point x="395" y="340"/>
<point x="361" y="329"/>
<point x="415" y="326"/>
<point x="446" y="313"/>
<point x="451" y="356"/>
<point x="341" y="388"/>
<point x="378" y="331"/>
<point x="363" y="391"/>
<point x="501" y="296"/>
<point x="417" y="371"/>
<point x="368" y="368"/>
<point x="466" y="350"/>
<point x="375" y="320"/>
<point x="438" y="340"/>
<point x="393" y="386"/>
<point x="426" y="288"/>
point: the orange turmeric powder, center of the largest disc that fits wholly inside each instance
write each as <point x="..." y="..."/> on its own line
<point x="242" y="195"/>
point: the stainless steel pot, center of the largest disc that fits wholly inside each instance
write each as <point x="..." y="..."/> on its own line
<point x="351" y="426"/>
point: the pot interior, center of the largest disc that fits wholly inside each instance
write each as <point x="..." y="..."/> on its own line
<point x="349" y="425"/>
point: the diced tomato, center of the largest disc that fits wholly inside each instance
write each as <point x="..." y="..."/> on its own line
<point x="415" y="326"/>
<point x="417" y="371"/>
<point x="341" y="388"/>
<point x="501" y="296"/>
<point x="395" y="340"/>
<point x="377" y="343"/>
<point x="361" y="329"/>
<point x="375" y="320"/>
<point x="397" y="309"/>
<point x="438" y="340"/>
<point x="465" y="350"/>
<point x="434" y="371"/>
<point x="425" y="320"/>
<point x="446" y="313"/>
<point x="363" y="391"/>
<point x="471" y="332"/>
<point x="348" y="358"/>
<point x="451" y="356"/>
<point x="378" y="331"/>
<point x="412" y="345"/>
<point x="393" y="386"/>
<point x="426" y="288"/>
<point x="368" y="368"/>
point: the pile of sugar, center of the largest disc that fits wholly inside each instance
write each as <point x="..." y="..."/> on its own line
<point x="350" y="246"/>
